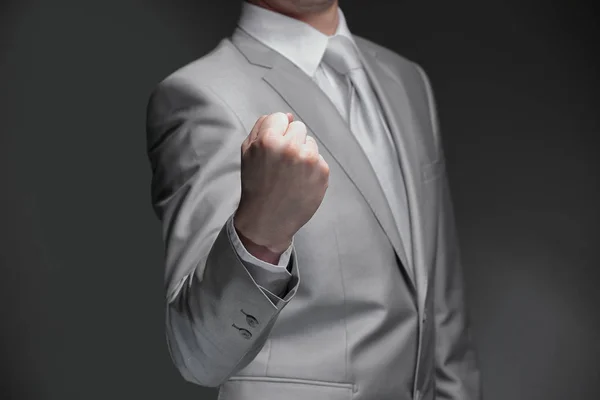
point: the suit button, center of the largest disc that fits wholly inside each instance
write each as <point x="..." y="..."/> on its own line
<point x="250" y="320"/>
<point x="424" y="316"/>
<point x="244" y="332"/>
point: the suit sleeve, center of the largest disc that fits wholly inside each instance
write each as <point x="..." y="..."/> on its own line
<point x="274" y="278"/>
<point x="217" y="316"/>
<point x="457" y="373"/>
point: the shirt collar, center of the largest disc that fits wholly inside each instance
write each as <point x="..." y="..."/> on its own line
<point x="297" y="41"/>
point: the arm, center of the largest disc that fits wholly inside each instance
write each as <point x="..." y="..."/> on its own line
<point x="457" y="374"/>
<point x="194" y="149"/>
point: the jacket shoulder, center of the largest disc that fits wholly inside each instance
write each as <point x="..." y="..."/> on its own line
<point x="219" y="64"/>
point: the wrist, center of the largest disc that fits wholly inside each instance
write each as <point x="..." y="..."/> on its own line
<point x="264" y="253"/>
<point x="254" y="243"/>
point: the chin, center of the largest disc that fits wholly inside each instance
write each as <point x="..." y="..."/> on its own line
<point x="307" y="6"/>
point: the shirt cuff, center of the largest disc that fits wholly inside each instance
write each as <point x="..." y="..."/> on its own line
<point x="272" y="277"/>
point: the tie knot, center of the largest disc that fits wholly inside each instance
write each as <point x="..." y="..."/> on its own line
<point x="341" y="54"/>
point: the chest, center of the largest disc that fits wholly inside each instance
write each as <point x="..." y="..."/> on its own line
<point x="355" y="202"/>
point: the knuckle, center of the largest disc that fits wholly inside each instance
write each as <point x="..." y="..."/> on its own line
<point x="290" y="151"/>
<point x="267" y="139"/>
<point x="309" y="157"/>
<point x="324" y="169"/>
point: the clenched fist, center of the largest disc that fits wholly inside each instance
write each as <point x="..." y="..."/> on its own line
<point x="284" y="179"/>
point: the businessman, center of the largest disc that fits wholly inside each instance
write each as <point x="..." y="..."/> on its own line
<point x="310" y="243"/>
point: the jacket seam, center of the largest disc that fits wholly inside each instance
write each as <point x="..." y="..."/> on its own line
<point x="348" y="372"/>
<point x="431" y="107"/>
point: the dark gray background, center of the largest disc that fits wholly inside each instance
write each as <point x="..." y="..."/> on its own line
<point x="81" y="289"/>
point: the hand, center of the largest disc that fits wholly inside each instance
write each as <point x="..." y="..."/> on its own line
<point x="284" y="179"/>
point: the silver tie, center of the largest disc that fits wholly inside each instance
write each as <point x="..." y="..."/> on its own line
<point x="370" y="129"/>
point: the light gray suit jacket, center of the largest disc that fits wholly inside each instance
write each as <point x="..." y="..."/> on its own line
<point x="355" y="323"/>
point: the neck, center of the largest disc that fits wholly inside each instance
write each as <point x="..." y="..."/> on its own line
<point x="324" y="20"/>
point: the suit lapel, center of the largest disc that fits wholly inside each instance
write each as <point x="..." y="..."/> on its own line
<point x="320" y="115"/>
<point x="400" y="117"/>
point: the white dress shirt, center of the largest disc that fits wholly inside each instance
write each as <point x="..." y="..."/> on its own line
<point x="304" y="46"/>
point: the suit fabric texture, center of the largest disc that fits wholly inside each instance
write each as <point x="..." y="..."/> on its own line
<point x="355" y="321"/>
